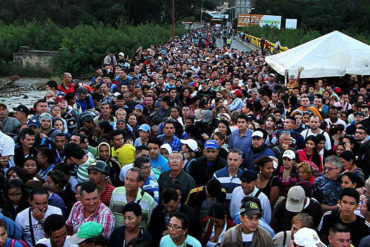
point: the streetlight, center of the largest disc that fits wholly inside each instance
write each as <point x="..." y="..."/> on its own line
<point x="173" y="18"/>
<point x="250" y="19"/>
<point x="201" y="13"/>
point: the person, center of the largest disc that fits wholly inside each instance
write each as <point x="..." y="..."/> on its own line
<point x="241" y="138"/>
<point x="157" y="161"/>
<point x="247" y="233"/>
<point x="31" y="220"/>
<point x="349" y="165"/>
<point x="132" y="192"/>
<point x="110" y="59"/>
<point x="305" y="172"/>
<point x="287" y="173"/>
<point x="296" y="202"/>
<point x="266" y="181"/>
<point x="176" y="175"/>
<point x="98" y="173"/>
<point x="89" y="234"/>
<point x="339" y="236"/>
<point x="310" y="154"/>
<point x="131" y="229"/>
<point x="178" y="227"/>
<point x="170" y="137"/>
<point x="124" y="152"/>
<point x="55" y="232"/>
<point x="215" y="225"/>
<point x="150" y="185"/>
<point x="90" y="208"/>
<point x="229" y="176"/>
<point x="258" y="149"/>
<point x="45" y="160"/>
<point x="306" y="237"/>
<point x="326" y="188"/>
<point x="9" y="125"/>
<point x="348" y="202"/>
<point x="5" y="241"/>
<point x="203" y="170"/>
<point x="286" y="238"/>
<point x="75" y="155"/>
<point x="25" y="148"/>
<point x="248" y="188"/>
<point x="201" y="198"/>
<point x="171" y="202"/>
<point x="315" y="130"/>
<point x="15" y="198"/>
<point x="104" y="154"/>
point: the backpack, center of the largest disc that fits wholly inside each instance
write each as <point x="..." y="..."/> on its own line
<point x="20" y="241"/>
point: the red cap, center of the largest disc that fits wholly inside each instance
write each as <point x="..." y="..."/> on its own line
<point x="238" y="93"/>
<point x="59" y="98"/>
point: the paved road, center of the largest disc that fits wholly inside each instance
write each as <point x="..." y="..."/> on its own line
<point x="234" y="44"/>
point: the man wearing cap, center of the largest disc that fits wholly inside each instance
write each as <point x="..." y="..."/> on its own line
<point x="271" y="82"/>
<point x="259" y="148"/>
<point x="46" y="129"/>
<point x="21" y="113"/>
<point x="208" y="164"/>
<point x="248" y="188"/>
<point x="8" y="125"/>
<point x="144" y="133"/>
<point x="241" y="138"/>
<point x="89" y="234"/>
<point x="139" y="113"/>
<point x="307" y="237"/>
<point x="67" y="86"/>
<point x="99" y="174"/>
<point x="206" y="125"/>
<point x="248" y="232"/>
<point x="169" y="137"/>
<point x="230" y="174"/>
<point x="296" y="202"/>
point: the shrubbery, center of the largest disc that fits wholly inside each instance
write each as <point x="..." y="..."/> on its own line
<point x="83" y="47"/>
<point x="293" y="37"/>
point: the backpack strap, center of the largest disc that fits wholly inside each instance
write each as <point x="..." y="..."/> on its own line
<point x="258" y="193"/>
<point x="142" y="195"/>
<point x="12" y="243"/>
<point x="31" y="228"/>
<point x="284" y="239"/>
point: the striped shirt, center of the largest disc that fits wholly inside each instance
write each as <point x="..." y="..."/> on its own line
<point x="82" y="173"/>
<point x="119" y="200"/>
<point x="227" y="181"/>
<point x="151" y="187"/>
<point x="107" y="195"/>
<point x="44" y="173"/>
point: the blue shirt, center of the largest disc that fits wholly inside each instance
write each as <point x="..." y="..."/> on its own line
<point x="243" y="143"/>
<point x="159" y="165"/>
<point x="175" y="142"/>
<point x="166" y="241"/>
<point x="44" y="173"/>
<point x="151" y="187"/>
<point x="11" y="228"/>
<point x="8" y="243"/>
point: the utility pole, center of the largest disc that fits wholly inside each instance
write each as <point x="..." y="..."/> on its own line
<point x="201" y="13"/>
<point x="173" y="18"/>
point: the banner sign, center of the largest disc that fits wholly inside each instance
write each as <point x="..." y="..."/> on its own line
<point x="259" y="20"/>
<point x="291" y="24"/>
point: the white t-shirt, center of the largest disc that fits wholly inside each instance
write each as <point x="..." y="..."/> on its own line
<point x="46" y="241"/>
<point x="6" y="145"/>
<point x="22" y="221"/>
<point x="247" y="239"/>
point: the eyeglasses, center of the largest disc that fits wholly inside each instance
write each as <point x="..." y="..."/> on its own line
<point x="330" y="168"/>
<point x="173" y="227"/>
<point x="175" y="159"/>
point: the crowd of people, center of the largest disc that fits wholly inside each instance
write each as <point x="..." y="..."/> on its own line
<point x="187" y="144"/>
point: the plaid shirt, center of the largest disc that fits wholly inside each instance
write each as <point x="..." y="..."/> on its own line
<point x="175" y="142"/>
<point x="102" y="215"/>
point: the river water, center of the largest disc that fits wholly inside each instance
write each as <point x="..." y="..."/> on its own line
<point x="24" y="91"/>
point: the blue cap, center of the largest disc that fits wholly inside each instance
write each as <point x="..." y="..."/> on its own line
<point x="211" y="144"/>
<point x="140" y="107"/>
<point x="144" y="127"/>
<point x="33" y="122"/>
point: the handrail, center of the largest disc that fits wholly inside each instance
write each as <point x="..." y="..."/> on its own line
<point x="257" y="42"/>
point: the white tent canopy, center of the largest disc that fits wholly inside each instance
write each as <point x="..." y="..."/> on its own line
<point x="334" y="54"/>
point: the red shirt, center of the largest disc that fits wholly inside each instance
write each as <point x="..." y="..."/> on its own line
<point x="64" y="90"/>
<point x="107" y="195"/>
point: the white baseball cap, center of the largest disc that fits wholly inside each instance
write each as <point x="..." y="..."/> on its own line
<point x="295" y="199"/>
<point x="192" y="144"/>
<point x="289" y="154"/>
<point x="307" y="237"/>
<point x="257" y="134"/>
